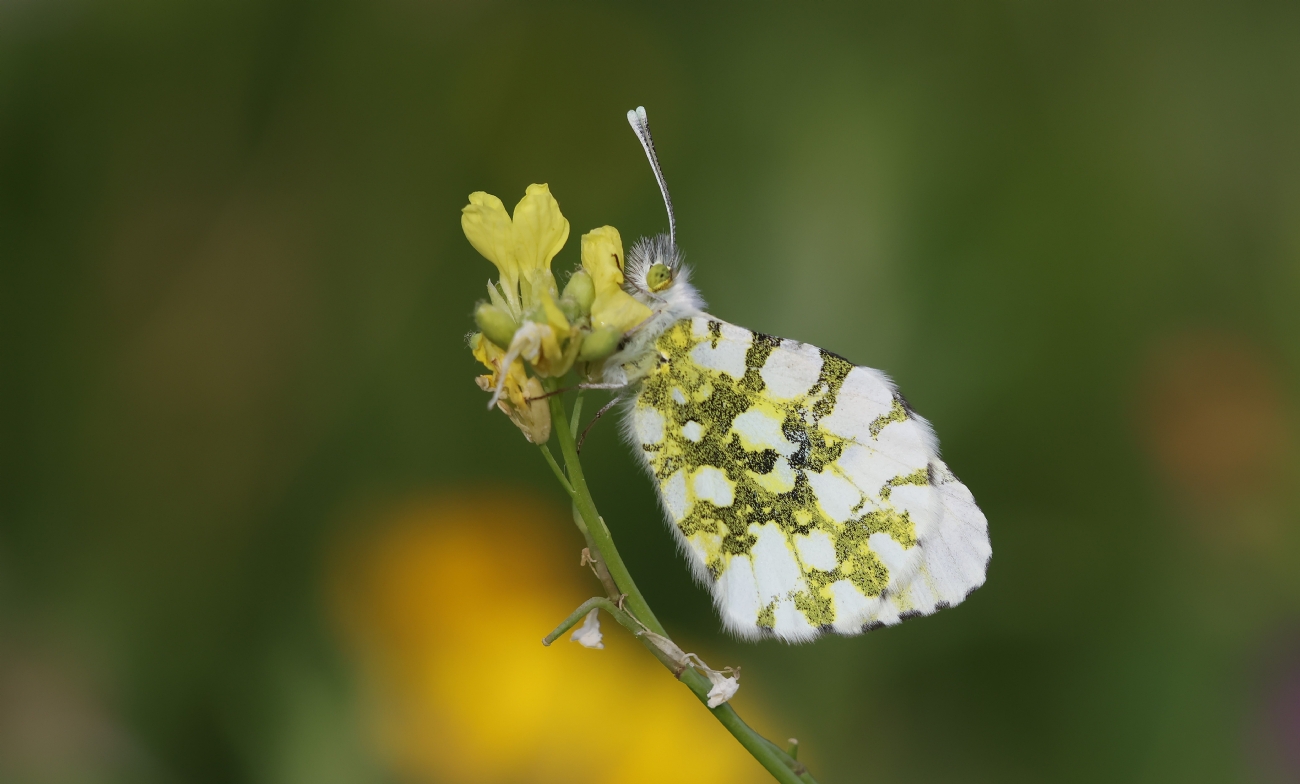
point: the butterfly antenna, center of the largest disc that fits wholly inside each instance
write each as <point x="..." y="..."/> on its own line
<point x="641" y="126"/>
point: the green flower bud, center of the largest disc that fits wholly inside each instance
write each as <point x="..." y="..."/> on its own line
<point x="599" y="344"/>
<point x="581" y="290"/>
<point x="495" y="324"/>
<point x="570" y="309"/>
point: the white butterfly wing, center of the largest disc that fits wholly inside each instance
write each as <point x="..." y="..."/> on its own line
<point x="802" y="489"/>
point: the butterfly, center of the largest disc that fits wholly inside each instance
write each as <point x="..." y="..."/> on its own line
<point x="803" y="489"/>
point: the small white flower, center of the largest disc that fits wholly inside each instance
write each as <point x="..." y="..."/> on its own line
<point x="724" y="687"/>
<point x="588" y="635"/>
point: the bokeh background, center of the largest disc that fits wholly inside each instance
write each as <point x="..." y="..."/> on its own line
<point x="256" y="525"/>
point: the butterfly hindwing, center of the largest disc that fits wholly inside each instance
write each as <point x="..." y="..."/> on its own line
<point x="802" y="489"/>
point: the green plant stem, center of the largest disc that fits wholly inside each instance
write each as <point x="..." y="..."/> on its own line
<point x="577" y="416"/>
<point x="596" y="529"/>
<point x="559" y="472"/>
<point x="782" y="767"/>
<point x="627" y="621"/>
<point x="598" y="565"/>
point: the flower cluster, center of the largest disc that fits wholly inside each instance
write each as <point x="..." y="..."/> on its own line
<point x="529" y="329"/>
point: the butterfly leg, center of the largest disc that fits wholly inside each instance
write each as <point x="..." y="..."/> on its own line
<point x="579" y="387"/>
<point x="552" y="393"/>
<point x="594" y="420"/>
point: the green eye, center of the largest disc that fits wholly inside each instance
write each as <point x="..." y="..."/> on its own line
<point x="659" y="277"/>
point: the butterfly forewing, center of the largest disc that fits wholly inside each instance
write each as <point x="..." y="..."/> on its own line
<point x="802" y="489"/>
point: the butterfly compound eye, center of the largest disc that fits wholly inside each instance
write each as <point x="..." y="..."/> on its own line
<point x="659" y="277"/>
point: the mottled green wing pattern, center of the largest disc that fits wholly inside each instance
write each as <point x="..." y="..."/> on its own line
<point x="802" y="489"/>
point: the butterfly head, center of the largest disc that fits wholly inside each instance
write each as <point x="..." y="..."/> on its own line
<point x="653" y="265"/>
<point x="657" y="277"/>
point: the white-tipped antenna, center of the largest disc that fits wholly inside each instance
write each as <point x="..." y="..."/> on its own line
<point x="641" y="126"/>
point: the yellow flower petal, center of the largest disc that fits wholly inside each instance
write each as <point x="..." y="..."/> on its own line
<point x="488" y="228"/>
<point x="555" y="317"/>
<point x="536" y="342"/>
<point x="539" y="229"/>
<point x="530" y="413"/>
<point x="535" y="286"/>
<point x="487" y="353"/>
<point x="618" y="310"/>
<point x="522" y="400"/>
<point x="602" y="258"/>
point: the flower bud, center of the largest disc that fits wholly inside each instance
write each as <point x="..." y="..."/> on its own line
<point x="581" y="290"/>
<point x="570" y="309"/>
<point x="599" y="344"/>
<point x="495" y="324"/>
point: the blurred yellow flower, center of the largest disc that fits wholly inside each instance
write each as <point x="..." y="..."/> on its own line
<point x="443" y="607"/>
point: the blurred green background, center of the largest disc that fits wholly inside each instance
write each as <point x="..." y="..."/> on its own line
<point x="234" y="292"/>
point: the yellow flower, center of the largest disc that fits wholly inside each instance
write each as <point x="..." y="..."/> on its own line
<point x="524" y="299"/>
<point x="520" y="403"/>
<point x="522" y="247"/>
<point x="441" y="604"/>
<point x="527" y="318"/>
<point x="602" y="258"/>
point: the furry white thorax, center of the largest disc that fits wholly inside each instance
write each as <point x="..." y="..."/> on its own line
<point x="668" y="306"/>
